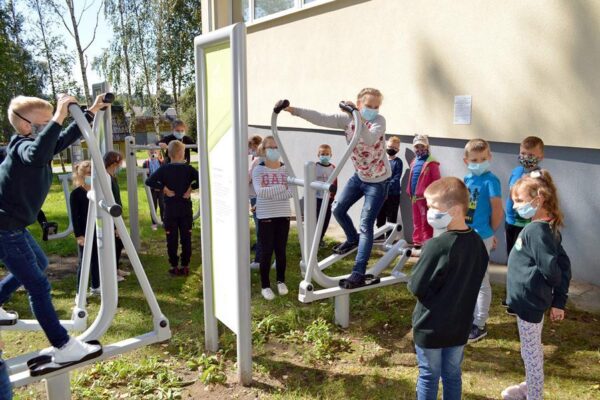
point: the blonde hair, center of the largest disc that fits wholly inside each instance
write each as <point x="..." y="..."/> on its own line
<point x="80" y="171"/>
<point x="540" y="183"/>
<point x="531" y="142"/>
<point x="394" y="139"/>
<point x="255" y="141"/>
<point x="476" y="145"/>
<point x="325" y="146"/>
<point x="369" y="91"/>
<point x="261" y="152"/>
<point x="449" y="191"/>
<point x="175" y="147"/>
<point x="23" y="105"/>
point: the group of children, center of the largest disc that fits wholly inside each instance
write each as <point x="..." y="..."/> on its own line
<point x="450" y="280"/>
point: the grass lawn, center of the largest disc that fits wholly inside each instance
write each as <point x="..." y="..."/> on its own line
<point x="298" y="353"/>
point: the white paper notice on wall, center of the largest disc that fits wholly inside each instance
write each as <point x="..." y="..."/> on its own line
<point x="462" y="110"/>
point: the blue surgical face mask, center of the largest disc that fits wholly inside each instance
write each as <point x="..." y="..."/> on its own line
<point x="479" y="168"/>
<point x="88" y="180"/>
<point x="526" y="211"/>
<point x="117" y="170"/>
<point x="324" y="159"/>
<point x="178" y="135"/>
<point x="369" y="113"/>
<point x="36" y="129"/>
<point x="272" y="154"/>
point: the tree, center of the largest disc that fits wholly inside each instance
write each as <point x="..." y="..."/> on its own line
<point x="19" y="74"/>
<point x="73" y="29"/>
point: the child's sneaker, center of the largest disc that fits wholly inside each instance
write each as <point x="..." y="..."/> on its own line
<point x="282" y="289"/>
<point x="154" y="227"/>
<point x="74" y="350"/>
<point x="8" y="317"/>
<point x="120" y="278"/>
<point x="268" y="294"/>
<point x="94" y="292"/>
<point x="174" y="271"/>
<point x="254" y="265"/>
<point x="477" y="333"/>
<point x="48" y="228"/>
<point x="184" y="271"/>
<point x="345" y="247"/>
<point x="510" y="311"/>
<point x="515" y="392"/>
<point x="355" y="280"/>
<point x="123" y="273"/>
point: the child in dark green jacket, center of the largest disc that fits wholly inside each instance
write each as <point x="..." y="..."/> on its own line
<point x="539" y="273"/>
<point x="446" y="282"/>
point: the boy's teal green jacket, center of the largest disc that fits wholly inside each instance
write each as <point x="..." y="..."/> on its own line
<point x="26" y="173"/>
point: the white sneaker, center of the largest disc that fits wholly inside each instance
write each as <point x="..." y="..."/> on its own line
<point x="123" y="273"/>
<point x="267" y="294"/>
<point x="282" y="289"/>
<point x="254" y="265"/>
<point x="94" y="292"/>
<point x="74" y="350"/>
<point x="515" y="392"/>
<point x="8" y="318"/>
<point x="120" y="278"/>
<point x="154" y="227"/>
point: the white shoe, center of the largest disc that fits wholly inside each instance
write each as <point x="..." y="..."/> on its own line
<point x="120" y="278"/>
<point x="123" y="273"/>
<point x="74" y="350"/>
<point x="48" y="351"/>
<point x="267" y="294"/>
<point x="94" y="292"/>
<point x="254" y="265"/>
<point x="515" y="392"/>
<point x="154" y="227"/>
<point x="8" y="318"/>
<point x="282" y="289"/>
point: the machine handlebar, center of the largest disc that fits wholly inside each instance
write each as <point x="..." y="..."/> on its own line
<point x="347" y="107"/>
<point x="281" y="104"/>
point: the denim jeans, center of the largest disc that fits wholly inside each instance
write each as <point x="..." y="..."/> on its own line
<point x="26" y="263"/>
<point x="5" y="386"/>
<point x="374" y="196"/>
<point x="436" y="363"/>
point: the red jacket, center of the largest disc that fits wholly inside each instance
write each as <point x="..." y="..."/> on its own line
<point x="429" y="174"/>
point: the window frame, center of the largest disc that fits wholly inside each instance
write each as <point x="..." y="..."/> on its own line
<point x="298" y="6"/>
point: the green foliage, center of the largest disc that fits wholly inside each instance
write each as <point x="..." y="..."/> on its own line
<point x="212" y="368"/>
<point x="324" y="344"/>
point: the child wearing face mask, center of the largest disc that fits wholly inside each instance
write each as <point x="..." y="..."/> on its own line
<point x="424" y="170"/>
<point x="485" y="215"/>
<point x="389" y="210"/>
<point x="112" y="163"/>
<point x="324" y="169"/>
<point x="273" y="212"/>
<point x="179" y="133"/>
<point x="446" y="282"/>
<point x="539" y="273"/>
<point x="253" y="144"/>
<point x="82" y="180"/>
<point x="372" y="169"/>
<point x="152" y="164"/>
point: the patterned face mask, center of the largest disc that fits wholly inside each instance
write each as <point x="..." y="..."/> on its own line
<point x="528" y="162"/>
<point x="422" y="153"/>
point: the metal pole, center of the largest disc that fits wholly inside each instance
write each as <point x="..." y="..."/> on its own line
<point x="59" y="387"/>
<point x="132" y="193"/>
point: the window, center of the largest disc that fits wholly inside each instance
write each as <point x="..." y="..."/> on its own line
<point x="253" y="10"/>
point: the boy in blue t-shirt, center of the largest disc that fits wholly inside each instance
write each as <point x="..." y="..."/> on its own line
<point x="485" y="215"/>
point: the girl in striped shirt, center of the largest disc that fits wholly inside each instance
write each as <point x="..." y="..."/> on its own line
<point x="273" y="212"/>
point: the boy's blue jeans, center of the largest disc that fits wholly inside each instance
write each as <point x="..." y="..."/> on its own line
<point x="374" y="197"/>
<point x="435" y="363"/>
<point x="26" y="263"/>
<point x="5" y="386"/>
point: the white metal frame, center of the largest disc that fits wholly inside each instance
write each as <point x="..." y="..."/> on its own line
<point x="107" y="215"/>
<point x="64" y="181"/>
<point x="298" y="6"/>
<point x="311" y="233"/>
<point x="235" y="35"/>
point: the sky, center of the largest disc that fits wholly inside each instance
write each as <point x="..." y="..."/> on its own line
<point x="86" y="31"/>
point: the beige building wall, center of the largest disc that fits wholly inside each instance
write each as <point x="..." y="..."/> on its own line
<point x="531" y="66"/>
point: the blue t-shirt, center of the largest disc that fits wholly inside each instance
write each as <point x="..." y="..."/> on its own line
<point x="417" y="167"/>
<point x="512" y="217"/>
<point x="481" y="190"/>
<point x="394" y="180"/>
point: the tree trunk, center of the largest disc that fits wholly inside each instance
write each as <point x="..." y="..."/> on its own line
<point x="125" y="45"/>
<point x="139" y="35"/>
<point x="159" y="44"/>
<point x="80" y="53"/>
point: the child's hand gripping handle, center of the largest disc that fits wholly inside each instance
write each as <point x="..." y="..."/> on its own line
<point x="349" y="108"/>
<point x="108" y="98"/>
<point x="281" y="105"/>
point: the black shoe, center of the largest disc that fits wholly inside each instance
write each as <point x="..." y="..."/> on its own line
<point x="510" y="311"/>
<point x="504" y="303"/>
<point x="48" y="228"/>
<point x="174" y="271"/>
<point x="477" y="333"/>
<point x="345" y="247"/>
<point x="356" y="280"/>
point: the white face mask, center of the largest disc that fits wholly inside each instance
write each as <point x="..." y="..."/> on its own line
<point x="438" y="219"/>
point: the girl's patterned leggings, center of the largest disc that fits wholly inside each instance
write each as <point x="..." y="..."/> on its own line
<point x="532" y="353"/>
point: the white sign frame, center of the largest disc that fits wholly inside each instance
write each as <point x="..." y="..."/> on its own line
<point x="227" y="299"/>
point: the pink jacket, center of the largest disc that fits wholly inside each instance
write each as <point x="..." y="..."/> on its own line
<point x="429" y="174"/>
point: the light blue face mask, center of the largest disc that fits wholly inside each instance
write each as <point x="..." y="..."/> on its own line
<point x="526" y="211"/>
<point x="272" y="154"/>
<point x="88" y="180"/>
<point x="324" y="159"/>
<point x="178" y="135"/>
<point x="479" y="168"/>
<point x="117" y="170"/>
<point x="369" y="113"/>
